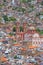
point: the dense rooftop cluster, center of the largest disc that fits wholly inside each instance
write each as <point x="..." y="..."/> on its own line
<point x="21" y="32"/>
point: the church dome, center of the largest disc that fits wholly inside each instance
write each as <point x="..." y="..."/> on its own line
<point x="36" y="35"/>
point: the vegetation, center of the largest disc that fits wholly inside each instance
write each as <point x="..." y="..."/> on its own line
<point x="42" y="3"/>
<point x="21" y="9"/>
<point x="1" y="5"/>
<point x="37" y="14"/>
<point x="5" y="17"/>
<point x="31" y="8"/>
<point x="4" y="0"/>
<point x="40" y="13"/>
<point x="15" y="57"/>
<point x="25" y="1"/>
<point x="0" y="18"/>
<point x="14" y="28"/>
<point x="11" y="34"/>
<point x="12" y="19"/>
<point x="21" y="28"/>
<point x="14" y="8"/>
<point x="40" y="31"/>
<point x="14" y="41"/>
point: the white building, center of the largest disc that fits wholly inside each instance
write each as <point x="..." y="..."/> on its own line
<point x="37" y="40"/>
<point x="33" y="1"/>
<point x="13" y="2"/>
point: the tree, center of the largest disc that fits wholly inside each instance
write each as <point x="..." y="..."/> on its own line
<point x="25" y="1"/>
<point x="4" y="0"/>
<point x="12" y="19"/>
<point x="37" y="14"/>
<point x="42" y="3"/>
<point x="14" y="28"/>
<point x="41" y="13"/>
<point x="15" y="57"/>
<point x="38" y="30"/>
<point x="21" y="28"/>
<point x="20" y="9"/>
<point x="5" y="17"/>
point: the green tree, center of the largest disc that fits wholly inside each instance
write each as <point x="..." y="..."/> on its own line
<point x="4" y="0"/>
<point x="14" y="28"/>
<point x="20" y="9"/>
<point x="41" y="13"/>
<point x="15" y="57"/>
<point x="21" y="28"/>
<point x="37" y="14"/>
<point x="5" y="17"/>
<point x="38" y="30"/>
<point x="12" y="19"/>
<point x="25" y="1"/>
<point x="41" y="31"/>
<point x="42" y="3"/>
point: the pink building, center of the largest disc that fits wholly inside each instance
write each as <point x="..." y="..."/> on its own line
<point x="25" y="26"/>
<point x="17" y="27"/>
<point x="39" y="0"/>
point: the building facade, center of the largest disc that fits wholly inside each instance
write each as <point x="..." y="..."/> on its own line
<point x="37" y="40"/>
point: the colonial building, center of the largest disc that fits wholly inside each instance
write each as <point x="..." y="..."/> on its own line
<point x="25" y="26"/>
<point x="37" y="40"/>
<point x="27" y="33"/>
<point x="17" y="27"/>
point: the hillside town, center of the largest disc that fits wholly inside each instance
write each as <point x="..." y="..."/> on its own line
<point x="21" y="32"/>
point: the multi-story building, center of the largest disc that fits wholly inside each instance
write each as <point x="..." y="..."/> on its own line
<point x="37" y="40"/>
<point x="17" y="27"/>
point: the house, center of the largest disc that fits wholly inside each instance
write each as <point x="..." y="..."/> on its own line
<point x="1" y="43"/>
<point x="33" y="1"/>
<point x="41" y="17"/>
<point x="1" y="1"/>
<point x="3" y="59"/>
<point x="7" y="51"/>
<point x="33" y="47"/>
<point x="20" y="61"/>
<point x="13" y="2"/>
<point x="39" y="0"/>
<point x="17" y="45"/>
<point x="41" y="41"/>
